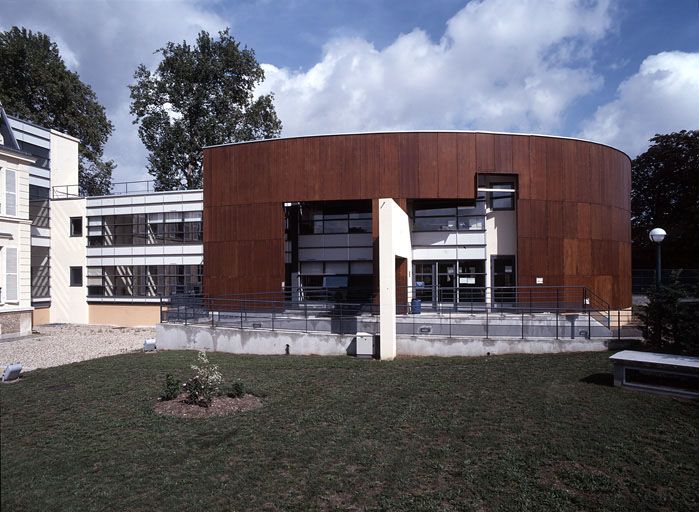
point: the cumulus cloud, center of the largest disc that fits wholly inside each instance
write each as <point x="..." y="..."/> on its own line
<point x="499" y="65"/>
<point x="662" y="97"/>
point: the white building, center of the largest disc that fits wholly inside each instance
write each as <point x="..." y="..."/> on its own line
<point x="15" y="295"/>
<point x="67" y="258"/>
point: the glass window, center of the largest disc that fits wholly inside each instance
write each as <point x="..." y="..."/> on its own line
<point x="335" y="226"/>
<point x="502" y="200"/>
<point x="76" y="226"/>
<point x="76" y="276"/>
<point x="360" y="226"/>
<point x="435" y="224"/>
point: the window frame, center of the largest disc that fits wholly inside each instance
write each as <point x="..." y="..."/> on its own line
<point x="71" y="281"/>
<point x="73" y="233"/>
<point x="505" y="195"/>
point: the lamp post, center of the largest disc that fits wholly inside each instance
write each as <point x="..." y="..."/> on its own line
<point x="657" y="235"/>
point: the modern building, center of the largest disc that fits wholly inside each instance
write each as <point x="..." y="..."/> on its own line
<point x="447" y="217"/>
<point x="67" y="258"/>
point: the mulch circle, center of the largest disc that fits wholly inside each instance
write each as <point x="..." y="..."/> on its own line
<point x="220" y="406"/>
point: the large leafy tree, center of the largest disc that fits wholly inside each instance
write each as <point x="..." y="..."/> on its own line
<point x="198" y="96"/>
<point x="665" y="194"/>
<point x="36" y="85"/>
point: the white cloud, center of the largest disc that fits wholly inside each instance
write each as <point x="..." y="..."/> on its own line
<point x="662" y="97"/>
<point x="500" y="65"/>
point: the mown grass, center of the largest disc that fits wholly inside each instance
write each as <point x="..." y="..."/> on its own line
<point x="497" y="433"/>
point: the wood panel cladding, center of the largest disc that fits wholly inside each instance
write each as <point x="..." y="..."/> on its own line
<point x="573" y="199"/>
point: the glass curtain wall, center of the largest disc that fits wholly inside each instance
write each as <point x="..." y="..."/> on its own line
<point x="170" y="228"/>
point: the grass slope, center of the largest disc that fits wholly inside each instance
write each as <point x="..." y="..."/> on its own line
<point x="499" y="433"/>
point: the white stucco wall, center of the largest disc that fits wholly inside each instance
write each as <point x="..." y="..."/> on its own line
<point x="64" y="160"/>
<point x="68" y="303"/>
<point x="394" y="241"/>
<point x="500" y="237"/>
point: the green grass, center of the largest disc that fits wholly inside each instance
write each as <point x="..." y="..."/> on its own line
<point x="498" y="433"/>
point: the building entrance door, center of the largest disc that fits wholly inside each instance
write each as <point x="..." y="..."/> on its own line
<point x="504" y="279"/>
<point x="450" y="282"/>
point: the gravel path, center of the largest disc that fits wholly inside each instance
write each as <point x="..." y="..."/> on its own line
<point x="55" y="345"/>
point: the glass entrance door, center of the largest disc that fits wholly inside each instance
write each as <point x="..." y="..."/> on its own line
<point x="446" y="282"/>
<point x="504" y="279"/>
<point x="450" y="282"/>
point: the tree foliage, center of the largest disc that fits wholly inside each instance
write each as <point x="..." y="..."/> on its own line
<point x="198" y="96"/>
<point x="665" y="194"/>
<point x="36" y="85"/>
<point x="671" y="318"/>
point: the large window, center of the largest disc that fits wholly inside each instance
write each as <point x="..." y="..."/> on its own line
<point x="170" y="228"/>
<point x="335" y="217"/>
<point x="143" y="280"/>
<point x="447" y="216"/>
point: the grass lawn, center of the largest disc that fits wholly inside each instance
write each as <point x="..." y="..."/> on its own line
<point x="497" y="433"/>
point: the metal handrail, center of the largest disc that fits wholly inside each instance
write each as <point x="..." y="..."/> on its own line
<point x="485" y="319"/>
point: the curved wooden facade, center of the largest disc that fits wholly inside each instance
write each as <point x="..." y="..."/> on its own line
<point x="573" y="199"/>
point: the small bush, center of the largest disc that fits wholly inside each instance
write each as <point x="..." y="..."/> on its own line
<point x="236" y="390"/>
<point x="671" y="318"/>
<point x="171" y="390"/>
<point x="205" y="385"/>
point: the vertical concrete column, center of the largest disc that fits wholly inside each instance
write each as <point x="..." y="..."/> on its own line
<point x="387" y="282"/>
<point x="394" y="241"/>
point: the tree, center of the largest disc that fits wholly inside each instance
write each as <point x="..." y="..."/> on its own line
<point x="36" y="85"/>
<point x="670" y="319"/>
<point x="665" y="193"/>
<point x="198" y="96"/>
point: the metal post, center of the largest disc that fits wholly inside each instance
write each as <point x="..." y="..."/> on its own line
<point x="272" y="317"/>
<point x="185" y="315"/>
<point x="556" y="324"/>
<point x="486" y="321"/>
<point x="589" y="325"/>
<point x="242" y="307"/>
<point x="658" y="269"/>
<point x="618" y="325"/>
<point x="305" y="313"/>
<point x="558" y="300"/>
<point x="212" y="317"/>
<point x="450" y="323"/>
<point x="522" y="324"/>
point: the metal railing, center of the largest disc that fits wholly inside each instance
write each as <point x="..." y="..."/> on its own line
<point x="644" y="279"/>
<point x="116" y="189"/>
<point x="521" y="312"/>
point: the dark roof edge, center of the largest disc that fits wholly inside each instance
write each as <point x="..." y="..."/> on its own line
<point x="420" y="131"/>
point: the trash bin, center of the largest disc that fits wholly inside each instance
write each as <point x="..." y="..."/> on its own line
<point x="416" y="306"/>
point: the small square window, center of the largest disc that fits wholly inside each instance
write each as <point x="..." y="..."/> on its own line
<point x="502" y="200"/>
<point x="76" y="276"/>
<point x="76" y="226"/>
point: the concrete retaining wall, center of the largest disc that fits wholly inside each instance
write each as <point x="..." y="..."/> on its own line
<point x="266" y="342"/>
<point x="262" y="342"/>
<point x="447" y="347"/>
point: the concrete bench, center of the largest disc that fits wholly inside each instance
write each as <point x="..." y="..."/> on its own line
<point x="658" y="373"/>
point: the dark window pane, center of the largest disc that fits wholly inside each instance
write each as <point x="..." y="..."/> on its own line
<point x="76" y="276"/>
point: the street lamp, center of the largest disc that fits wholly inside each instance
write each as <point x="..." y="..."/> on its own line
<point x="657" y="235"/>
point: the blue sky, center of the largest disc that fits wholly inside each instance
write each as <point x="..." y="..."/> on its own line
<point x="614" y="71"/>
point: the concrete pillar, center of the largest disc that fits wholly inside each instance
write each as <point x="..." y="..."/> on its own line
<point x="394" y="241"/>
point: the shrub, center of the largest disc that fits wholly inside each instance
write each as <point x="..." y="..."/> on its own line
<point x="205" y="385"/>
<point x="671" y="318"/>
<point x="235" y="390"/>
<point x="171" y="390"/>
